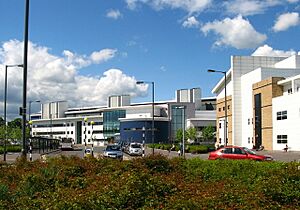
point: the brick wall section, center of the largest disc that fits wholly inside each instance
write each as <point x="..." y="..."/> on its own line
<point x="268" y="89"/>
<point x="221" y="114"/>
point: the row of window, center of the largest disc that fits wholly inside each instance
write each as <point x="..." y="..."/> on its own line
<point x="228" y="107"/>
<point x="89" y="123"/>
<point x="89" y="132"/>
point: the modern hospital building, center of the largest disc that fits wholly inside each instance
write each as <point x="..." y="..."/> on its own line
<point x="126" y="121"/>
<point x="263" y="102"/>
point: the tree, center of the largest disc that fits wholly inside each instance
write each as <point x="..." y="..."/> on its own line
<point x="208" y="132"/>
<point x="1" y="121"/>
<point x="191" y="133"/>
<point x="179" y="135"/>
<point x="16" y="123"/>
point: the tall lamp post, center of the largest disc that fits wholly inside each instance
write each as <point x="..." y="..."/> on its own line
<point x="25" y="53"/>
<point x="225" y="123"/>
<point x="152" y="83"/>
<point x="5" y="101"/>
<point x="183" y="128"/>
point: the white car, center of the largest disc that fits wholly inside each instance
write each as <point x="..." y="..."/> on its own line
<point x="113" y="151"/>
<point x="135" y="149"/>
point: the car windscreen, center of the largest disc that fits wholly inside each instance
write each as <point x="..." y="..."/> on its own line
<point x="136" y="146"/>
<point x="249" y="151"/>
<point x="113" y="148"/>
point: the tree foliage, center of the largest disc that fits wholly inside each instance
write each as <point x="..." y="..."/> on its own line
<point x="179" y="135"/>
<point x="191" y="133"/>
<point x="208" y="133"/>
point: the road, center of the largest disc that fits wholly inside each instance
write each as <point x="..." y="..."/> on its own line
<point x="79" y="151"/>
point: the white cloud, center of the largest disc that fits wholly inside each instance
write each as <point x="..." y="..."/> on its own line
<point x="190" y="6"/>
<point x="252" y="7"/>
<point x="52" y="77"/>
<point x="293" y="1"/>
<point x="191" y="22"/>
<point x="266" y="50"/>
<point x="114" y="14"/>
<point x="286" y="21"/>
<point x="103" y="55"/>
<point x="236" y="32"/>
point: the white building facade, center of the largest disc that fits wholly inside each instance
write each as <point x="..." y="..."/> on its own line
<point x="243" y="77"/>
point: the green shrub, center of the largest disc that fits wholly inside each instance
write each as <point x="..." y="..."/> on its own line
<point x="153" y="182"/>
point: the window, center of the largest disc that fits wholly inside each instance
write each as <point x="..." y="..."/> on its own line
<point x="223" y="108"/>
<point x="220" y="125"/>
<point x="219" y="109"/>
<point x="290" y="91"/>
<point x="89" y="132"/>
<point x="238" y="151"/>
<point x="282" y="115"/>
<point x="228" y="150"/>
<point x="282" y="139"/>
<point x="228" y="107"/>
<point x="71" y="132"/>
<point x="248" y="140"/>
<point x="248" y="121"/>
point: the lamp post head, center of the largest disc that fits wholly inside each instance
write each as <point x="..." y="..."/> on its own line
<point x="213" y="70"/>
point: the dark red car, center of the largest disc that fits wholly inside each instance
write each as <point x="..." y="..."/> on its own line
<point x="238" y="153"/>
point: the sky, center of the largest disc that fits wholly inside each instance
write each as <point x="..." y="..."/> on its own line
<point x="83" y="51"/>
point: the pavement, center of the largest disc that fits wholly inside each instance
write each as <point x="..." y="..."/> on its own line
<point x="277" y="155"/>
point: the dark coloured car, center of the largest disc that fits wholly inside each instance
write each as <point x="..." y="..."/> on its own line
<point x="113" y="151"/>
<point x="237" y="153"/>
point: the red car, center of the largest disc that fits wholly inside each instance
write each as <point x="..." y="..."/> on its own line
<point x="238" y="153"/>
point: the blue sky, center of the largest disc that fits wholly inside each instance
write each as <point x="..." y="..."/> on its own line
<point x="82" y="51"/>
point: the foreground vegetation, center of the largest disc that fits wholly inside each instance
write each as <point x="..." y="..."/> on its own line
<point x="154" y="182"/>
<point x="194" y="149"/>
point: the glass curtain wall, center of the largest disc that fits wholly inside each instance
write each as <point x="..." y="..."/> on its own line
<point x="177" y="121"/>
<point x="111" y="123"/>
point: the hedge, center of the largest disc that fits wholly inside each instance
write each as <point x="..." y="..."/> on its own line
<point x="10" y="148"/>
<point x="195" y="149"/>
<point x="153" y="182"/>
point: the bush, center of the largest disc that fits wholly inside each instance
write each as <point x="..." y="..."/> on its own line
<point x="153" y="182"/>
<point x="11" y="148"/>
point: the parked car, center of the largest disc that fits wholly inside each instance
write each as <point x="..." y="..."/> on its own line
<point x="237" y="153"/>
<point x="134" y="149"/>
<point x="113" y="151"/>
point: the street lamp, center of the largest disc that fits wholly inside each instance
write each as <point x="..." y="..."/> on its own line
<point x="25" y="53"/>
<point x="5" y="100"/>
<point x="152" y="83"/>
<point x="183" y="128"/>
<point x="225" y="124"/>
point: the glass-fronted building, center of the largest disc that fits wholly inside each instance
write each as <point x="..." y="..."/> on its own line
<point x="111" y="123"/>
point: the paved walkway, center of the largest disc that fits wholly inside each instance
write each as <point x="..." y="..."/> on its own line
<point x="277" y="155"/>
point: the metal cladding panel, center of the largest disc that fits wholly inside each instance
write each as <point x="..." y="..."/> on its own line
<point x="132" y="131"/>
<point x="45" y="111"/>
